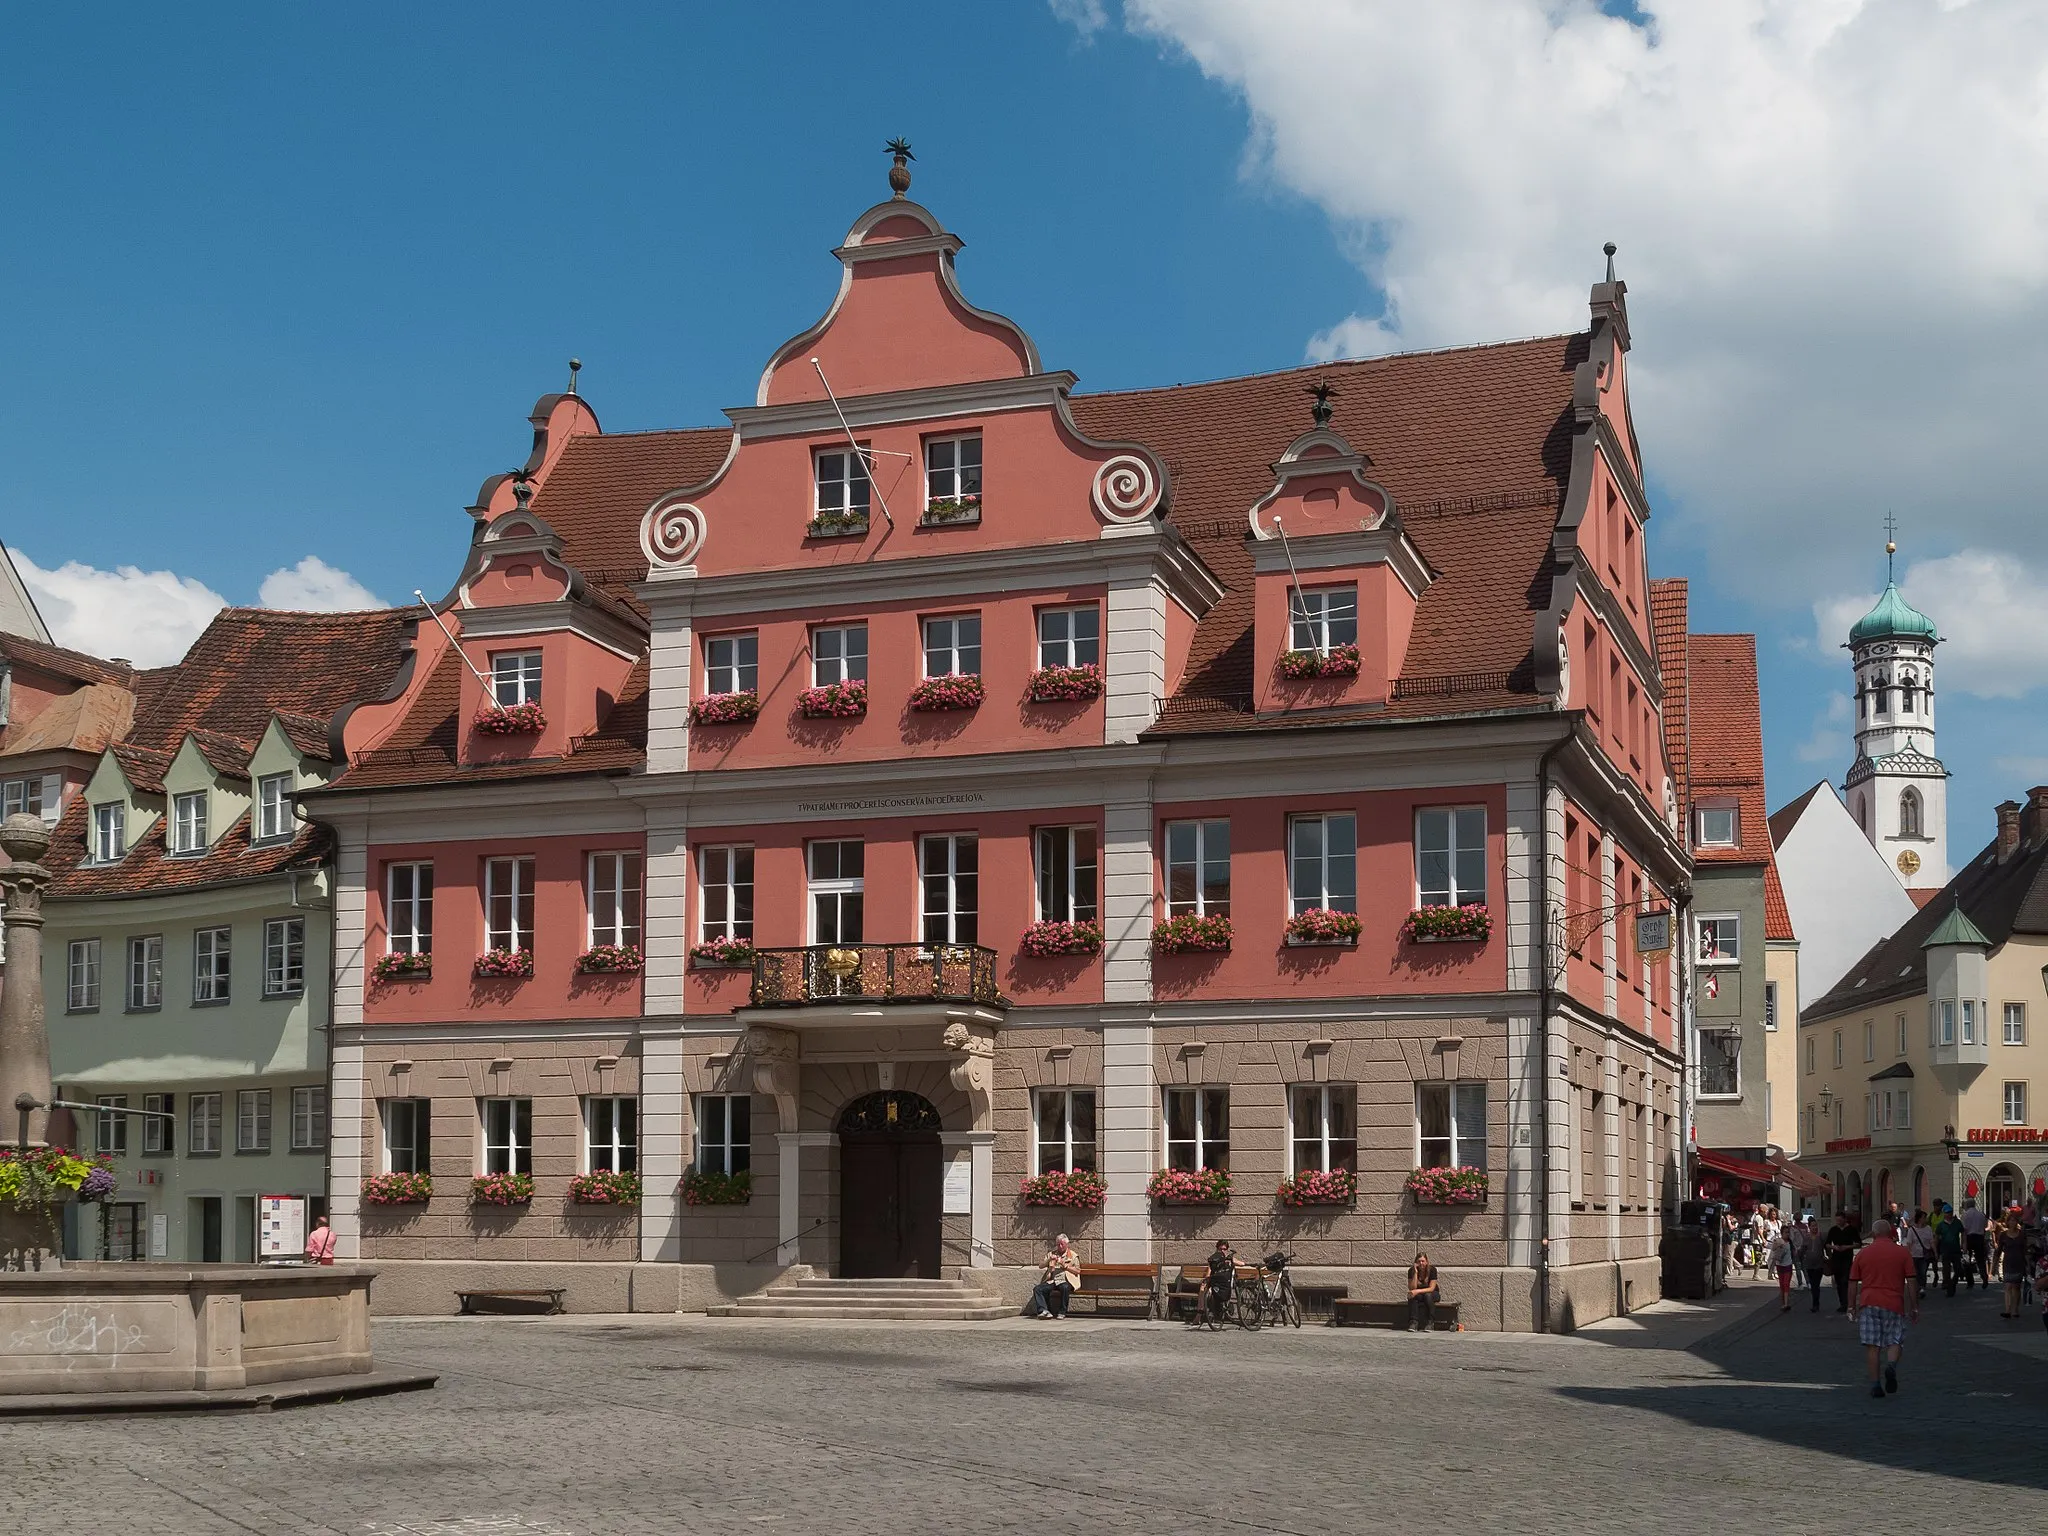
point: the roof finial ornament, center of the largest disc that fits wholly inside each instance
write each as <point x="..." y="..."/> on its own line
<point x="575" y="367"/>
<point x="1609" y="248"/>
<point x="1891" y="545"/>
<point x="899" y="173"/>
<point x="522" y="488"/>
<point x="1323" y="392"/>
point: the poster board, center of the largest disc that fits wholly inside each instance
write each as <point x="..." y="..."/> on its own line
<point x="280" y="1228"/>
<point x="959" y="1199"/>
<point x="159" y="1237"/>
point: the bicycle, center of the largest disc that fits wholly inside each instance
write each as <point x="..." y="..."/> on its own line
<point x="1277" y="1302"/>
<point x="1244" y="1305"/>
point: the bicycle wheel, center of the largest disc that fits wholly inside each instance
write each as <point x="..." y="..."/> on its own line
<point x="1213" y="1310"/>
<point x="1250" y="1307"/>
<point x="1288" y="1303"/>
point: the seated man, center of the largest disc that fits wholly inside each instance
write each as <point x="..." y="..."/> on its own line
<point x="1221" y="1280"/>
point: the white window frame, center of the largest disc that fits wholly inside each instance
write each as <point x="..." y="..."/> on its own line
<point x="1069" y="870"/>
<point x="952" y="644"/>
<point x="1448" y="833"/>
<point x="1969" y="1010"/>
<point x="949" y="481"/>
<point x="273" y="807"/>
<point x="213" y="959"/>
<point x="1770" y="1007"/>
<point x="719" y="1146"/>
<point x="2013" y="1103"/>
<point x="110" y="1124"/>
<point x="613" y="889"/>
<point x="1070" y="636"/>
<point x="309" y="1118"/>
<point x="110" y="832"/>
<point x="1706" y="832"/>
<point x="2015" y="1032"/>
<point x="611" y="1133"/>
<point x="839" y="654"/>
<point x="284" y="956"/>
<point x="1720" y="932"/>
<point x="1191" y="854"/>
<point x="505" y="1142"/>
<point x="725" y="886"/>
<point x="515" y="678"/>
<point x="1870" y="1039"/>
<point x="203" y="1126"/>
<point x="22" y="797"/>
<point x="402" y="1121"/>
<point x="409" y="913"/>
<point x="1323" y="618"/>
<point x="252" y="1120"/>
<point x="1838" y="1048"/>
<point x="1310" y="1146"/>
<point x="732" y="663"/>
<point x="1463" y="1099"/>
<point x="1899" y="1030"/>
<point x="188" y="824"/>
<point x="949" y="888"/>
<point x="145" y="987"/>
<point x="1066" y="1150"/>
<point x="160" y="1124"/>
<point x="837" y="887"/>
<point x="82" y="976"/>
<point x="1945" y="1022"/>
<point x="841" y="481"/>
<point x="1325" y="876"/>
<point x="1206" y="1138"/>
<point x="508" y="892"/>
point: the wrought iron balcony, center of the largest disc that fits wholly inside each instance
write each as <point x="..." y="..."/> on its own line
<point x="875" y="973"/>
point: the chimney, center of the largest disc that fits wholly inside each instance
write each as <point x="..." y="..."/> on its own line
<point x="2034" y="819"/>
<point x="2008" y="830"/>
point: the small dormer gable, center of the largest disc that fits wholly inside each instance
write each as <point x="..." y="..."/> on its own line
<point x="206" y="791"/>
<point x="123" y="799"/>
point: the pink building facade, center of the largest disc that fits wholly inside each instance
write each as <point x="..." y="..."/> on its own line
<point x="859" y="820"/>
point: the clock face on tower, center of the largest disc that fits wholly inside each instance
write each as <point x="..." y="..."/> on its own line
<point x="1909" y="862"/>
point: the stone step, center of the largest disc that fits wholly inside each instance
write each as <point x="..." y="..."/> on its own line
<point x="821" y="1287"/>
<point x="803" y="1299"/>
<point x="884" y="1314"/>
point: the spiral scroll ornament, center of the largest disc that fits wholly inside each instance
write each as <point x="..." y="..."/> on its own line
<point x="672" y="533"/>
<point x="1126" y="490"/>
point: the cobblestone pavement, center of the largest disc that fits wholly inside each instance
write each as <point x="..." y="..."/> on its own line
<point x="606" y="1427"/>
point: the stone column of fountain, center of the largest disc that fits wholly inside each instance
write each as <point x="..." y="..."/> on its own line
<point x="25" y="1237"/>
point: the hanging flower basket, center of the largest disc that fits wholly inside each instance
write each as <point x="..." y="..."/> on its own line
<point x="1065" y="685"/>
<point x="501" y="1189"/>
<point x="834" y="701"/>
<point x="958" y="690"/>
<point x="1082" y="1190"/>
<point x="1448" y="925"/>
<point x="34" y="1178"/>
<point x="836" y="525"/>
<point x="395" y="967"/>
<point x="97" y="1185"/>
<point x="1192" y="933"/>
<point x="717" y="1188"/>
<point x="604" y="1188"/>
<point x="1308" y="666"/>
<point x="723" y="955"/>
<point x="725" y="709"/>
<point x="1047" y="941"/>
<point x="941" y="510"/>
<point x="1337" y="1187"/>
<point x="1448" y="1186"/>
<point x="609" y="960"/>
<point x="398" y="1189"/>
<point x="504" y="965"/>
<point x="510" y="720"/>
<point x="1320" y="925"/>
<point x="1189" y="1186"/>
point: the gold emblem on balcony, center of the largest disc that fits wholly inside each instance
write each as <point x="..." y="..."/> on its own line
<point x="842" y="962"/>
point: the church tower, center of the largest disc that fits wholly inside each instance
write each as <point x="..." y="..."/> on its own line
<point x="1897" y="788"/>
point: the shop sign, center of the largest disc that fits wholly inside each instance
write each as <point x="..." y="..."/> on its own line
<point x="1653" y="932"/>
<point x="1849" y="1144"/>
<point x="2009" y="1133"/>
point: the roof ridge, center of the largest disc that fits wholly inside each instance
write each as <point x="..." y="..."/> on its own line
<point x="1335" y="362"/>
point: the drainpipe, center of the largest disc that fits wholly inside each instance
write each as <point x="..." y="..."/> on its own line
<point x="1543" y="1025"/>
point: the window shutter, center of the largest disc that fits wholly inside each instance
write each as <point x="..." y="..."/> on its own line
<point x="53" y="790"/>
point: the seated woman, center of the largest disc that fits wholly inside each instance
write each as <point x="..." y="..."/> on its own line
<point x="1221" y="1280"/>
<point x="1422" y="1293"/>
<point x="1056" y="1280"/>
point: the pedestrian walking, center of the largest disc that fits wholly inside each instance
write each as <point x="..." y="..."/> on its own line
<point x="1843" y="1240"/>
<point x="1779" y="1260"/>
<point x="2012" y="1261"/>
<point x="1948" y="1248"/>
<point x="1975" y="1250"/>
<point x="1919" y="1240"/>
<point x="1882" y="1300"/>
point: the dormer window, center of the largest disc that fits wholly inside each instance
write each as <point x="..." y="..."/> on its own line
<point x="109" y="833"/>
<point x="188" y="823"/>
<point x="1716" y="826"/>
<point x="844" y="494"/>
<point x="273" y="806"/>
<point x="952" y="478"/>
<point x="515" y="678"/>
<point x="1325" y="618"/>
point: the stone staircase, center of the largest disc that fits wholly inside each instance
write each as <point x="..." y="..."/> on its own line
<point x="877" y="1301"/>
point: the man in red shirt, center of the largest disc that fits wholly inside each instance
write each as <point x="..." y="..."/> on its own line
<point x="1882" y="1296"/>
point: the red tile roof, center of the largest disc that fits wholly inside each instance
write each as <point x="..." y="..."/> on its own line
<point x="1726" y="740"/>
<point x="597" y="491"/>
<point x="1777" y="916"/>
<point x="1668" y="619"/>
<point x="150" y="870"/>
<point x="60" y="662"/>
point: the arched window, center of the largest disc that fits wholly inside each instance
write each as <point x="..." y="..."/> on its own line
<point x="1906" y="694"/>
<point x="1863" y="814"/>
<point x="1909" y="813"/>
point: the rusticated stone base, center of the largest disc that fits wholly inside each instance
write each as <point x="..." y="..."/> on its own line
<point x="30" y="1240"/>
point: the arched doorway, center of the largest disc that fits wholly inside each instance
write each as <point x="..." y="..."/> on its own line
<point x="1884" y="1193"/>
<point x="1855" y="1196"/>
<point x="2001" y="1188"/>
<point x="891" y="1188"/>
<point x="1919" y="1188"/>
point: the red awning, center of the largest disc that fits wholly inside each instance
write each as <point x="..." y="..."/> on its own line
<point x="1738" y="1167"/>
<point x="1794" y="1177"/>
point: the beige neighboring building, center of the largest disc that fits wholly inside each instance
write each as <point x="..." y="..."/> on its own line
<point x="1781" y="1028"/>
<point x="1937" y="1031"/>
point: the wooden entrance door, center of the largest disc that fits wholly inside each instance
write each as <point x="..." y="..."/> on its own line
<point x="891" y="1188"/>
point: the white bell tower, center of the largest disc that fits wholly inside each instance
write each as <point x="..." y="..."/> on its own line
<point x="1897" y="788"/>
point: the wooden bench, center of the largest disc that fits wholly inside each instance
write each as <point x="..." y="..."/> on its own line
<point x="543" y="1303"/>
<point x="1119" y="1282"/>
<point x="1180" y="1300"/>
<point x="1317" y="1301"/>
<point x="1389" y="1314"/>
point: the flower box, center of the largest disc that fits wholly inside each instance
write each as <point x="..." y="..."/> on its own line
<point x="1046" y="941"/>
<point x="725" y="709"/>
<point x="1448" y="1186"/>
<point x="1320" y="925"/>
<point x="942" y="511"/>
<point x="1471" y="924"/>
<point x="604" y="1188"/>
<point x="958" y="690"/>
<point x="1192" y="934"/>
<point x="1189" y="1186"/>
<point x="395" y="967"/>
<point x="510" y="720"/>
<point x="501" y="1189"/>
<point x="504" y="965"/>
<point x="1083" y="1189"/>
<point x="398" y="1189"/>
<point x="36" y="1178"/>
<point x="836" y="525"/>
<point x="1313" y="1187"/>
<point x="834" y="701"/>
<point x="1065" y="685"/>
<point x="723" y="955"/>
<point x="717" y="1188"/>
<point x="1310" y="666"/>
<point x="609" y="960"/>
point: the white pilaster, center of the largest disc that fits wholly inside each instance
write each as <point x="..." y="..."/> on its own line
<point x="666" y="936"/>
<point x="1134" y="657"/>
<point x="1610" y="968"/>
<point x="1525" y="1088"/>
<point x="789" y="1210"/>
<point x="1524" y="947"/>
<point x="664" y="1146"/>
<point x="1128" y="1132"/>
<point x="351" y="919"/>
<point x="981" y="1153"/>
<point x="668" y="594"/>
<point x="1127" y="901"/>
<point x="347" y="1150"/>
<point x="1610" y="1136"/>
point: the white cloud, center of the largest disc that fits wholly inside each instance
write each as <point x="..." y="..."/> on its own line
<point x="1085" y="16"/>
<point x="1987" y="606"/>
<point x="150" y="617"/>
<point x="1833" y="216"/>
<point x="314" y="586"/>
<point x="1828" y="741"/>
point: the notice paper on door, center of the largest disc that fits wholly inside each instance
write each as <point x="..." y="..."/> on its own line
<point x="959" y="1187"/>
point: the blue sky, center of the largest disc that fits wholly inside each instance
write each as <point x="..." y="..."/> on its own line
<point x="284" y="282"/>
